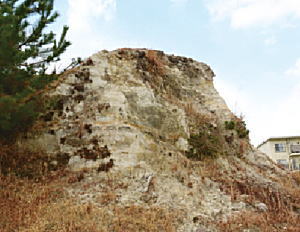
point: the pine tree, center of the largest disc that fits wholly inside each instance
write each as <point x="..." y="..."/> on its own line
<point x="26" y="51"/>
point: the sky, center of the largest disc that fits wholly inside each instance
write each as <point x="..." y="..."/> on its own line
<point x="252" y="46"/>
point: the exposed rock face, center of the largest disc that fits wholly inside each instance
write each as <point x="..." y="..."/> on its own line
<point x="130" y="113"/>
<point x="129" y="101"/>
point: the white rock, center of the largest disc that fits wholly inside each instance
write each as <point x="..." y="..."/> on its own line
<point x="182" y="144"/>
<point x="261" y="206"/>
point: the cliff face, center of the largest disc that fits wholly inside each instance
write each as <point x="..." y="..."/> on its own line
<point x="130" y="100"/>
<point x="152" y="126"/>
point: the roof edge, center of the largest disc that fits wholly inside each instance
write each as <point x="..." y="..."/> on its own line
<point x="279" y="138"/>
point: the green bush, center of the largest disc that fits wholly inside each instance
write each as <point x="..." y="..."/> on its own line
<point x="208" y="142"/>
<point x="229" y="125"/>
<point x="239" y="125"/>
<point x="211" y="139"/>
<point x="241" y="129"/>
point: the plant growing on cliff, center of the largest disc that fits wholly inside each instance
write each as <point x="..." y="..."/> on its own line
<point x="209" y="139"/>
<point x="156" y="64"/>
<point x="26" y="51"/>
<point x="239" y="125"/>
<point x="207" y="142"/>
<point x="229" y="125"/>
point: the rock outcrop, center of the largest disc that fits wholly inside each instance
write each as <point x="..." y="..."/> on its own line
<point x="138" y="115"/>
<point x="129" y="101"/>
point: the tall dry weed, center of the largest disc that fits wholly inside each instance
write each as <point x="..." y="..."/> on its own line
<point x="156" y="64"/>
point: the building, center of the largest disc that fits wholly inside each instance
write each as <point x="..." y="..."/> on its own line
<point x="284" y="151"/>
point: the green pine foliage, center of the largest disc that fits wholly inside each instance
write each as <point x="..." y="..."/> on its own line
<point x="239" y="125"/>
<point x="26" y="51"/>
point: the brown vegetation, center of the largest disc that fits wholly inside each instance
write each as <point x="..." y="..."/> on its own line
<point x="22" y="162"/>
<point x="27" y="206"/>
<point x="22" y="200"/>
<point x="282" y="201"/>
<point x="34" y="198"/>
<point x="155" y="63"/>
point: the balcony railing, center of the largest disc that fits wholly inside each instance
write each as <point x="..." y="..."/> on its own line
<point x="295" y="148"/>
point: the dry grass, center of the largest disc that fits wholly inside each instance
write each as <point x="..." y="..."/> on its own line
<point x="282" y="203"/>
<point x="31" y="206"/>
<point x="280" y="215"/>
<point x="87" y="217"/>
<point x="296" y="177"/>
<point x="262" y="222"/>
<point x="22" y="162"/>
<point x="107" y="198"/>
<point x="156" y="64"/>
<point x="28" y="206"/>
<point x="26" y="162"/>
<point x="153" y="68"/>
<point x="21" y="200"/>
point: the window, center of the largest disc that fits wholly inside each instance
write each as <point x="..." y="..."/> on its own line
<point x="279" y="147"/>
<point x="296" y="163"/>
<point x="283" y="163"/>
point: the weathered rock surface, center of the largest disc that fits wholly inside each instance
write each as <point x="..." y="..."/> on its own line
<point x="126" y="117"/>
<point x="129" y="101"/>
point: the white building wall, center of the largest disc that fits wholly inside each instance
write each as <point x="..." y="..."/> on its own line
<point x="268" y="148"/>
